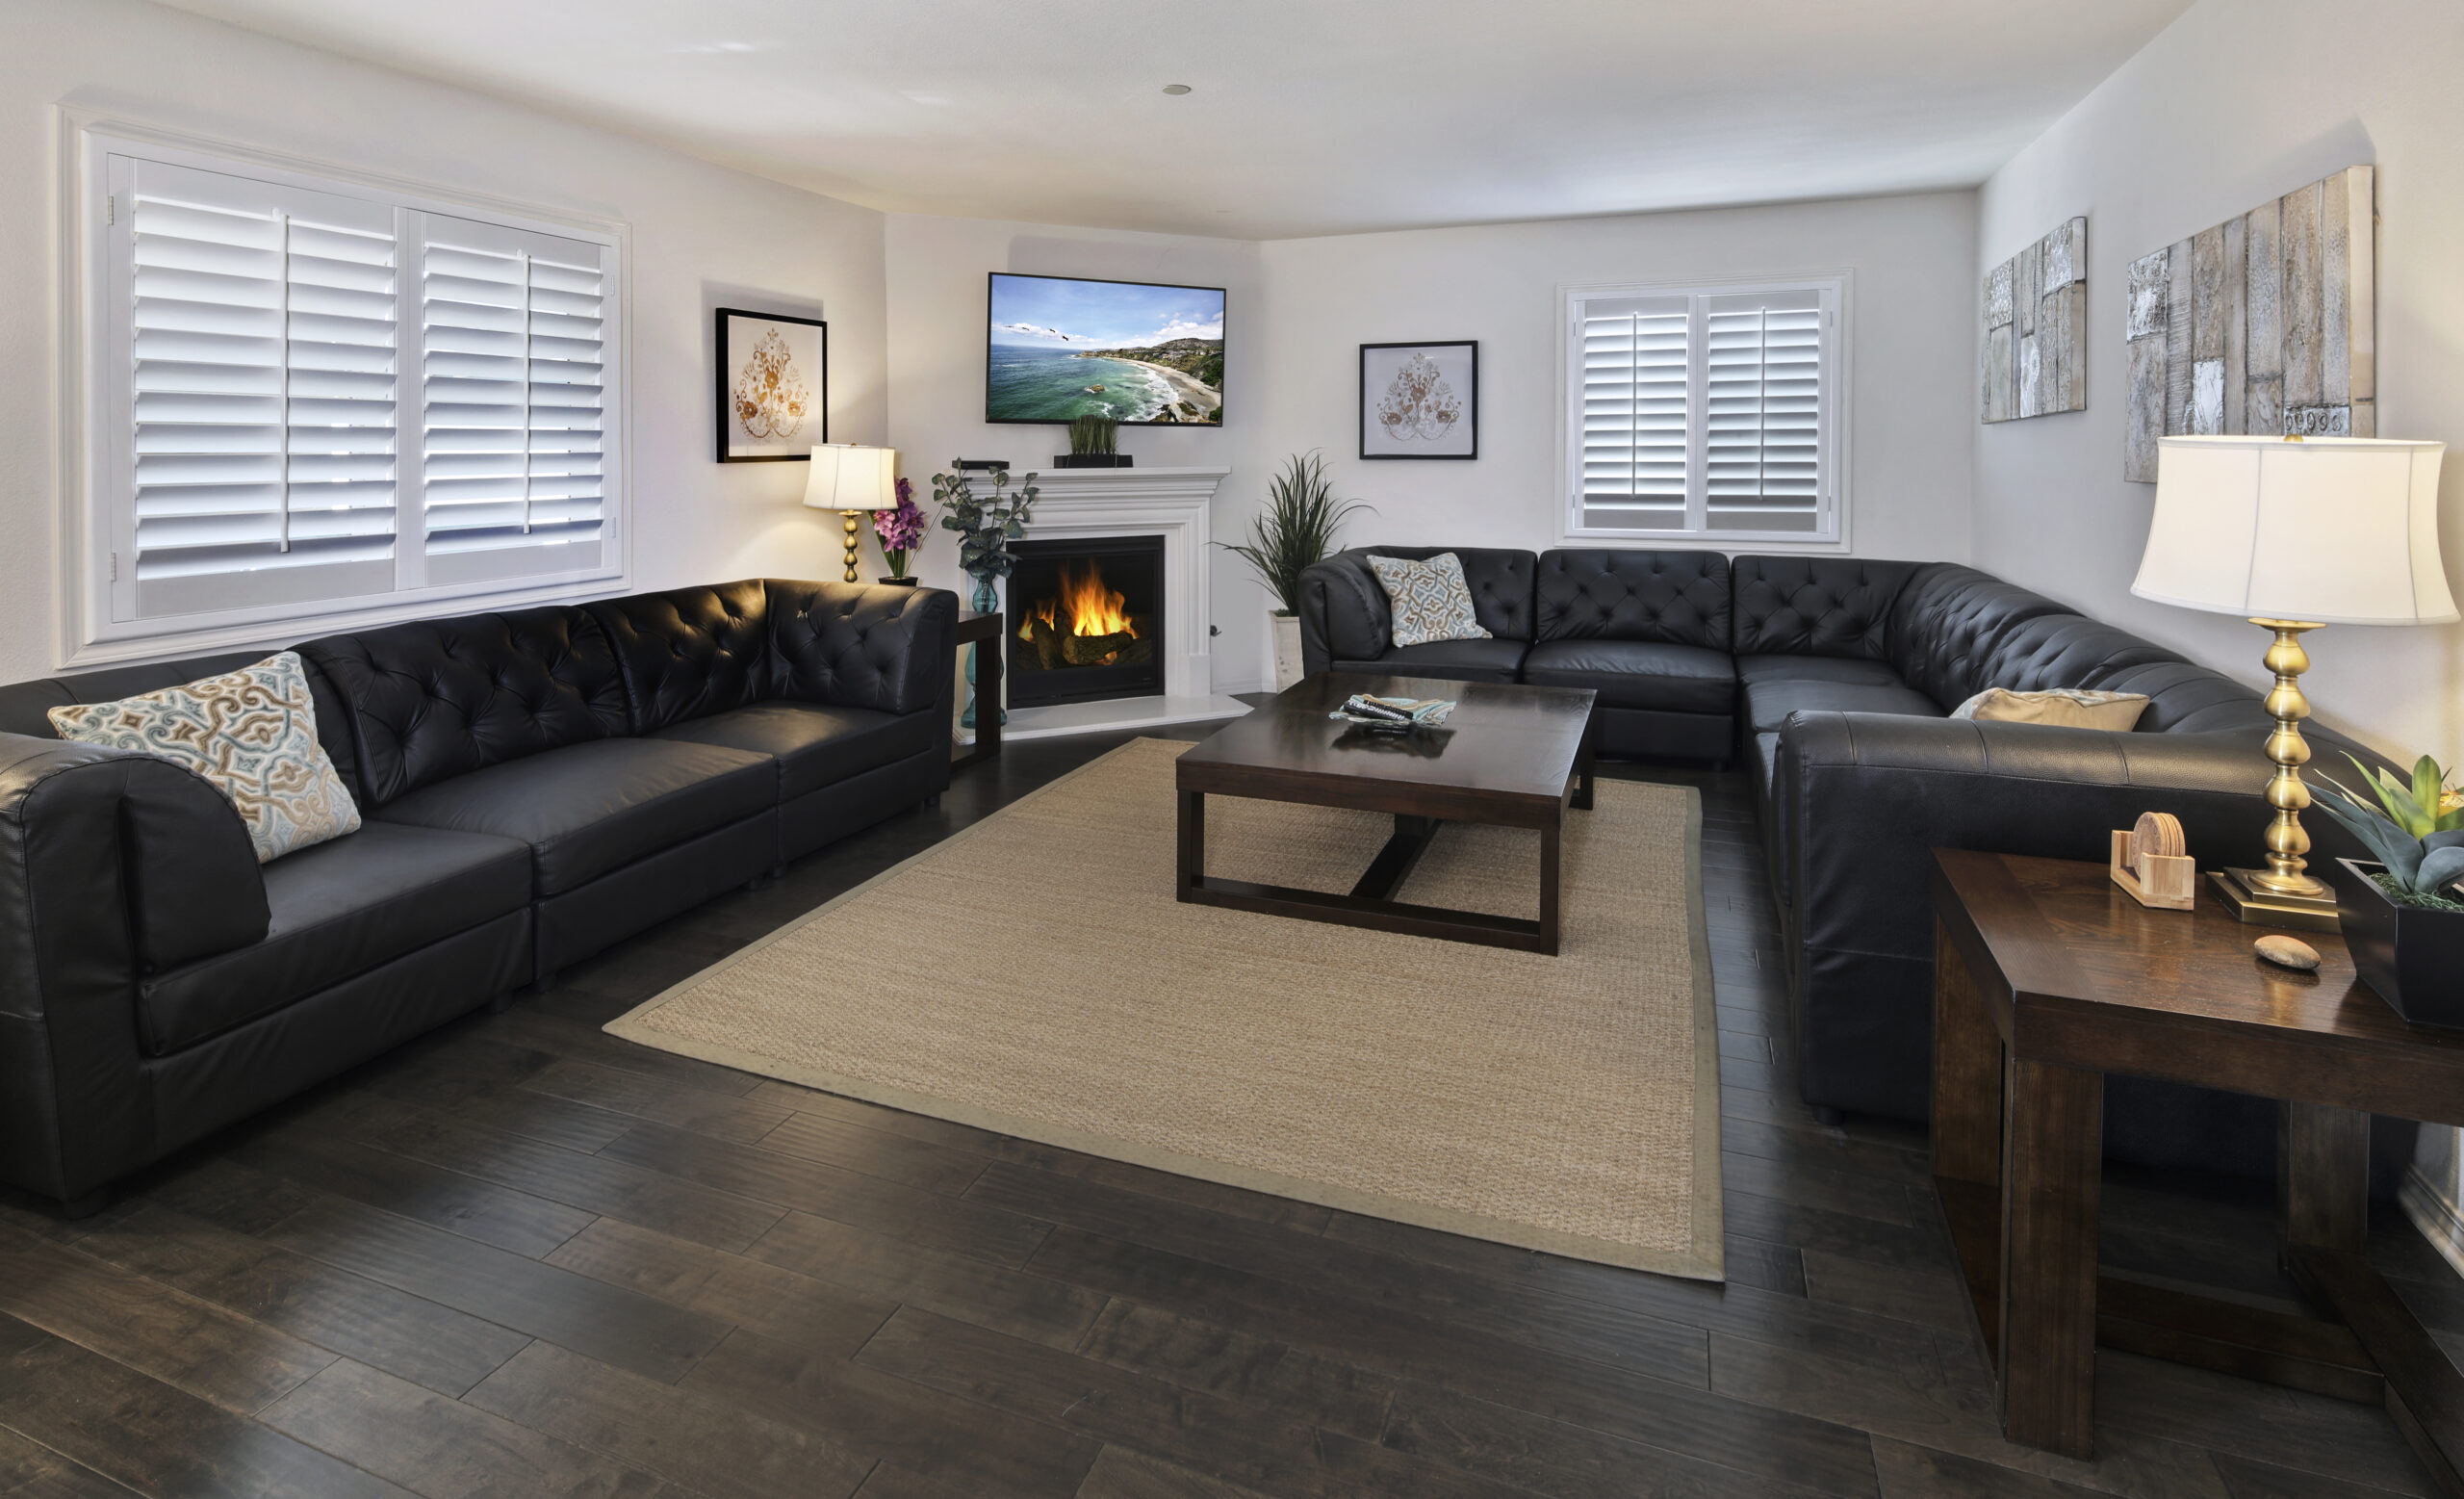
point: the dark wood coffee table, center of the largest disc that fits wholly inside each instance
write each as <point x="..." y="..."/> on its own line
<point x="1511" y="755"/>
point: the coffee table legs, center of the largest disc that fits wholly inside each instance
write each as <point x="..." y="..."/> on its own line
<point x="1192" y="845"/>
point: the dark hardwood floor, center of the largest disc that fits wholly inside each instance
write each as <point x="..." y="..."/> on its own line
<point x="525" y="1258"/>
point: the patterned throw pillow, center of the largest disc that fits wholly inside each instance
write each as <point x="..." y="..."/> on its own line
<point x="2071" y="708"/>
<point x="1430" y="600"/>
<point x="251" y="732"/>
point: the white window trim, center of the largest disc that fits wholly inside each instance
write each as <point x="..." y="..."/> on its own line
<point x="88" y="635"/>
<point x="1838" y="367"/>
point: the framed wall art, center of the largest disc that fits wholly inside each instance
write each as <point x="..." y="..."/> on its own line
<point x="1419" y="400"/>
<point x="2036" y="327"/>
<point x="774" y="386"/>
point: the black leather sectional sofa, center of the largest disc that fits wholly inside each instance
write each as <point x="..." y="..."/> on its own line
<point x="534" y="787"/>
<point x="1831" y="678"/>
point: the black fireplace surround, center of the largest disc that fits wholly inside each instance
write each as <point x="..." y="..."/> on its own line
<point x="1053" y="658"/>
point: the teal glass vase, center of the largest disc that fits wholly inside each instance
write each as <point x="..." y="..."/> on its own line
<point x="985" y="602"/>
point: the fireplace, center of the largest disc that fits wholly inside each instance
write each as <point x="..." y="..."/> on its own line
<point x="1085" y="620"/>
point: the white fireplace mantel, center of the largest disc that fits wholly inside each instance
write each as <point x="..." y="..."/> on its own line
<point x="1176" y="505"/>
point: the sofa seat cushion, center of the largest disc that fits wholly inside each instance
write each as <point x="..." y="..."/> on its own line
<point x="1816" y="668"/>
<point x="815" y="745"/>
<point x="1769" y="703"/>
<point x="340" y="909"/>
<point x="1451" y="660"/>
<point x="1646" y="674"/>
<point x="588" y="809"/>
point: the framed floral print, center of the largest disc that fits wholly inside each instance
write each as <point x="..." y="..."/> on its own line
<point x="1419" y="400"/>
<point x="774" y="386"/>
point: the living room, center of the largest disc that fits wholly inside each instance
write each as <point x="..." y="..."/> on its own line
<point x="1634" y="943"/>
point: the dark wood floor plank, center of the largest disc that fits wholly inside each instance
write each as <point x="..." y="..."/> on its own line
<point x="440" y="1448"/>
<point x="2247" y="1478"/>
<point x="876" y="1153"/>
<point x="1856" y="1194"/>
<point x="1213" y="1360"/>
<point x="1249" y="1445"/>
<point x="993" y="1296"/>
<point x="1937" y="1298"/>
<point x="479" y="1080"/>
<point x="606" y="1323"/>
<point x="478" y="1210"/>
<point x="31" y="1470"/>
<point x="167" y="1335"/>
<point x="750" y="1293"/>
<point x="2289" y="1428"/>
<point x="729" y="1116"/>
<point x="535" y="1027"/>
<point x="713" y="1446"/>
<point x="159" y="1440"/>
<point x="590" y="1184"/>
<point x="376" y="1324"/>
<point x="1590" y="1328"/>
<point x="927" y="1219"/>
<point x="1912" y="1472"/>
<point x="928" y="1432"/>
<point x="1779" y="1268"/>
<point x="1120" y="1473"/>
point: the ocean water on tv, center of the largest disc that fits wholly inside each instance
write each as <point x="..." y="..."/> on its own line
<point x="1041" y="384"/>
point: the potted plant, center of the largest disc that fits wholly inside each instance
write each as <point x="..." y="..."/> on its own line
<point x="1093" y="441"/>
<point x="900" y="532"/>
<point x="2404" y="915"/>
<point x="986" y="528"/>
<point x="1294" y="530"/>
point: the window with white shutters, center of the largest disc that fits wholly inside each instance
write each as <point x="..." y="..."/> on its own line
<point x="313" y="399"/>
<point x="1710" y="414"/>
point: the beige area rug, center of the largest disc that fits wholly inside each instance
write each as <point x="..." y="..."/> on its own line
<point x="1033" y="975"/>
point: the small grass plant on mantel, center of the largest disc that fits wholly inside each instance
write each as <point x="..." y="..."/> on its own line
<point x="1294" y="530"/>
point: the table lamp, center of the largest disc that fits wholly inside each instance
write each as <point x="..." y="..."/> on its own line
<point x="2294" y="533"/>
<point x="855" y="480"/>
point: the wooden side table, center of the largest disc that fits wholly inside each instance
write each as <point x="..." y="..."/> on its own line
<point x="985" y="629"/>
<point x="2046" y="978"/>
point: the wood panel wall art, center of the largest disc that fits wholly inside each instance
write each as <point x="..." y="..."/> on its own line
<point x="2036" y="327"/>
<point x="2264" y="325"/>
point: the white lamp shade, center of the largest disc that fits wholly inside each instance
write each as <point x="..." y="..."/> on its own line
<point x="2329" y="531"/>
<point x="847" y="477"/>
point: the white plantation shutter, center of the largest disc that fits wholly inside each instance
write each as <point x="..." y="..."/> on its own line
<point x="1708" y="414"/>
<point x="1635" y="354"/>
<point x="261" y="376"/>
<point x="513" y="364"/>
<point x="310" y="397"/>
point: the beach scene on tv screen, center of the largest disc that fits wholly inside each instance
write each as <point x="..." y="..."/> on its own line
<point x="1063" y="348"/>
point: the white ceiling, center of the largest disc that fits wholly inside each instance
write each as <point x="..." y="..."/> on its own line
<point x="1308" y="117"/>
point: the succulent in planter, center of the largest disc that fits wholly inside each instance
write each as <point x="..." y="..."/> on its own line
<point x="2417" y="831"/>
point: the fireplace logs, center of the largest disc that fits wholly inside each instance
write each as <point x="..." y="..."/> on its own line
<point x="1084" y="625"/>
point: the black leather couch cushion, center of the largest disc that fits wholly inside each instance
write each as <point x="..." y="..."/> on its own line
<point x="340" y="909"/>
<point x="589" y="808"/>
<point x="1947" y="628"/>
<point x="813" y="745"/>
<point x="689" y="652"/>
<point x="2187" y="699"/>
<point x="1454" y="660"/>
<point x="1816" y="605"/>
<point x="1816" y="668"/>
<point x="1680" y="598"/>
<point x="885" y="649"/>
<point x="441" y="698"/>
<point x="1769" y="703"/>
<point x="1675" y="679"/>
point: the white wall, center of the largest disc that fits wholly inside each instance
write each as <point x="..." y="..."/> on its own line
<point x="702" y="237"/>
<point x="2238" y="102"/>
<point x="1911" y="341"/>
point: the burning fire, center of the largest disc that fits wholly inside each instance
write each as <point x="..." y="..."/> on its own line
<point x="1091" y="607"/>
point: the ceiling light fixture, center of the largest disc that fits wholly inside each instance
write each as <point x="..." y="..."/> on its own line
<point x="1176" y="88"/>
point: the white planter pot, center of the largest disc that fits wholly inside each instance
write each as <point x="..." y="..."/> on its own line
<point x="1285" y="629"/>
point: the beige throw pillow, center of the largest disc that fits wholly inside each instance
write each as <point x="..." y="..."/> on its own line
<point x="1430" y="600"/>
<point x="251" y="732"/>
<point x="2070" y="708"/>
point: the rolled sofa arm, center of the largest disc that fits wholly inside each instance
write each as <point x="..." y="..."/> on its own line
<point x="111" y="865"/>
<point x="1861" y="800"/>
<point x="856" y="645"/>
<point x="1344" y="613"/>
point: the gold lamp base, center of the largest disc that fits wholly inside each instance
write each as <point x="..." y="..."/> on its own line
<point x="2284" y="894"/>
<point x="2244" y="895"/>
<point x="851" y="543"/>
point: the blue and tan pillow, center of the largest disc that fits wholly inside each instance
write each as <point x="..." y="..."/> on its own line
<point x="1429" y="598"/>
<point x="251" y="732"/>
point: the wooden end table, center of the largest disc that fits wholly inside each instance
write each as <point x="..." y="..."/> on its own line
<point x="2046" y="978"/>
<point x="984" y="628"/>
<point x="1511" y="755"/>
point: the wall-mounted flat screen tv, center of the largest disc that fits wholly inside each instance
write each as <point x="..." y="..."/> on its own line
<point x="1139" y="353"/>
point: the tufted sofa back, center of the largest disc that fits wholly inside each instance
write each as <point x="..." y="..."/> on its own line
<point x="834" y="642"/>
<point x="1949" y="626"/>
<point x="438" y="698"/>
<point x="689" y="652"/>
<point x="1595" y="593"/>
<point x="1499" y="581"/>
<point x="1816" y="605"/>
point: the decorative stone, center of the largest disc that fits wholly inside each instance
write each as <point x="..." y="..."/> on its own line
<point x="2287" y="952"/>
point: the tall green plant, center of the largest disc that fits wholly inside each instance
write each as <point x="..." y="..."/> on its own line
<point x="1092" y="434"/>
<point x="1295" y="529"/>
